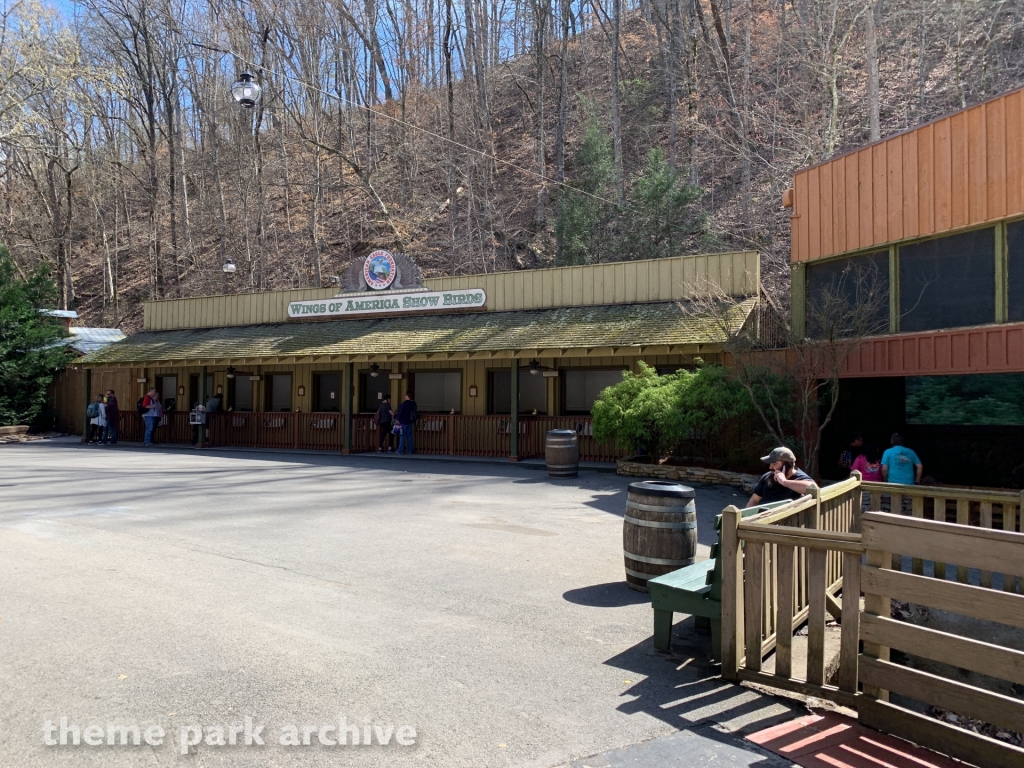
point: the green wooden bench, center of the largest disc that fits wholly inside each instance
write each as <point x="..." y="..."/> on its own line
<point x="695" y="590"/>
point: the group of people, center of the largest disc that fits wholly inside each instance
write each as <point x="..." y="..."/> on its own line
<point x="102" y="414"/>
<point x="390" y="423"/>
<point x="783" y="481"/>
<point x="898" y="464"/>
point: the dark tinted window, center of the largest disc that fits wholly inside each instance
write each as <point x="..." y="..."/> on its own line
<point x="374" y="389"/>
<point x="533" y="392"/>
<point x="327" y="391"/>
<point x="994" y="399"/>
<point x="948" y="282"/>
<point x="849" y="296"/>
<point x="1015" y="249"/>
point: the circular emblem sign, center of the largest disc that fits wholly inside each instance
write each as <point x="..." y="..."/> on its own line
<point x="379" y="270"/>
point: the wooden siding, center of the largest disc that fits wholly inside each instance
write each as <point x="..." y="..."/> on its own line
<point x="66" y="396"/>
<point x="678" y="278"/>
<point x="989" y="349"/>
<point x="963" y="170"/>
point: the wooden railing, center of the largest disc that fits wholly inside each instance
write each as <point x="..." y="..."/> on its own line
<point x="772" y="559"/>
<point x="995" y="510"/>
<point x="531" y="444"/>
<point x="435" y="434"/>
<point x="172" y="428"/>
<point x="974" y="547"/>
<point x="780" y="570"/>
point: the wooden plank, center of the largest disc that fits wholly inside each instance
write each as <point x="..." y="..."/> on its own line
<point x="879" y="193"/>
<point x="926" y="181"/>
<point x="928" y="492"/>
<point x="917" y="511"/>
<point x="977" y="166"/>
<point x="942" y="159"/>
<point x="935" y="734"/>
<point x="732" y="594"/>
<point x="961" y="698"/>
<point x="963" y="507"/>
<point x="816" y="617"/>
<point x="995" y="158"/>
<point x="973" y="547"/>
<point x="753" y="617"/>
<point x="986" y="522"/>
<point x="1014" y="158"/>
<point x="911" y="185"/>
<point x="798" y="539"/>
<point x="959" y="171"/>
<point x="849" y="642"/>
<point x="851" y="205"/>
<point x="784" y="639"/>
<point x="866" y="199"/>
<point x="894" y="188"/>
<point x="829" y="692"/>
<point x="975" y="655"/>
<point x="965" y="599"/>
<point x="877" y="601"/>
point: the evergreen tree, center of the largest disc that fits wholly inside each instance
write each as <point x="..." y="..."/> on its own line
<point x="583" y="213"/>
<point x="30" y="354"/>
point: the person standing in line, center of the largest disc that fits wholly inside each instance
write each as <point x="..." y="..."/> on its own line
<point x="900" y="464"/>
<point x="383" y="418"/>
<point x="868" y="465"/>
<point x="782" y="481"/>
<point x="212" y="406"/>
<point x="97" y="420"/>
<point x="851" y="452"/>
<point x="111" y="414"/>
<point x="406" y="418"/>
<point x="152" y="413"/>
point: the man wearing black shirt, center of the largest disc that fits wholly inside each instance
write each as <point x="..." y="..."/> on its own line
<point x="782" y="481"/>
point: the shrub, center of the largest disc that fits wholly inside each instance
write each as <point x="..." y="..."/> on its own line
<point x="642" y="413"/>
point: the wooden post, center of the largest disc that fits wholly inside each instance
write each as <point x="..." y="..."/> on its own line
<point x="203" y="397"/>
<point x="784" y="623"/>
<point x="347" y="396"/>
<point x="513" y="438"/>
<point x="88" y="399"/>
<point x="877" y="605"/>
<point x="849" y="641"/>
<point x="732" y="594"/>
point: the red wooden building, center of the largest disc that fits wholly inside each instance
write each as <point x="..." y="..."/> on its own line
<point x="936" y="215"/>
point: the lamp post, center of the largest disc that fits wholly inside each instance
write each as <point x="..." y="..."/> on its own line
<point x="246" y="91"/>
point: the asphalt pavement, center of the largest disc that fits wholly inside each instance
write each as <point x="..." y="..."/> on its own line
<point x="456" y="614"/>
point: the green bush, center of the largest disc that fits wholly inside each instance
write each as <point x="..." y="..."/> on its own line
<point x="657" y="414"/>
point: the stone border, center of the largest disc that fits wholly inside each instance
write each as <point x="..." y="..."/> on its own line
<point x="632" y="468"/>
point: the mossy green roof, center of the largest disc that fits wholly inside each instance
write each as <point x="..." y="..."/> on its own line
<point x="626" y="325"/>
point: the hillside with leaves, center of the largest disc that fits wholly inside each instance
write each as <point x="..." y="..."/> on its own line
<point x="473" y="136"/>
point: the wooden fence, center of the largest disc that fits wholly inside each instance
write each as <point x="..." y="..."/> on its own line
<point x="778" y="573"/>
<point x="995" y="510"/>
<point x="435" y="434"/>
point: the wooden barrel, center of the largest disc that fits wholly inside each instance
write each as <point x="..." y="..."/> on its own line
<point x="562" y="453"/>
<point x="659" y="531"/>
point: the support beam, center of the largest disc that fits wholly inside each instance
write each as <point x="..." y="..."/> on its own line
<point x="347" y="394"/>
<point x="513" y="441"/>
<point x="203" y="397"/>
<point x="88" y="399"/>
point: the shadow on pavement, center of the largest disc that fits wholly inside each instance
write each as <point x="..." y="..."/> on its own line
<point x="683" y="688"/>
<point x="614" y="594"/>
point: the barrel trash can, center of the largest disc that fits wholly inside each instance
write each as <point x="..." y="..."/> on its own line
<point x="562" y="453"/>
<point x="659" y="531"/>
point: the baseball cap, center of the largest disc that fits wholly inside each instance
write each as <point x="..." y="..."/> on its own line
<point x="781" y="453"/>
